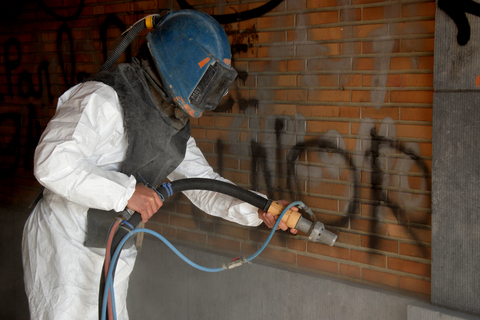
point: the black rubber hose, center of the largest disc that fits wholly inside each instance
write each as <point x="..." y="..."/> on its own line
<point x="124" y="43"/>
<point x="179" y="186"/>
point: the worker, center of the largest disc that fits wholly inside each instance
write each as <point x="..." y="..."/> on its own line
<point x="110" y="134"/>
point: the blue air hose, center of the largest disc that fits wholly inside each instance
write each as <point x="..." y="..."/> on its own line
<point x="231" y="265"/>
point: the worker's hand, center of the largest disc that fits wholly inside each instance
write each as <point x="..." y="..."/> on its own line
<point x="145" y="201"/>
<point x="270" y="220"/>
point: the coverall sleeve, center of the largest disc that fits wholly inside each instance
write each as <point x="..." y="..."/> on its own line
<point x="82" y="147"/>
<point x="217" y="204"/>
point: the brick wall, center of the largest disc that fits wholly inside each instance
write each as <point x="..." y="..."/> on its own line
<point x="332" y="106"/>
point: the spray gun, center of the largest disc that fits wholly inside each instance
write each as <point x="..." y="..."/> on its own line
<point x="314" y="229"/>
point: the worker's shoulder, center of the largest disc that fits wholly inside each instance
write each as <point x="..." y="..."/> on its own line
<point x="88" y="90"/>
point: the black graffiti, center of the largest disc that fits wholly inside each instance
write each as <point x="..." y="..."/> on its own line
<point x="240" y="16"/>
<point x="11" y="64"/>
<point x="25" y="81"/>
<point x="457" y="11"/>
<point x="74" y="16"/>
<point x="64" y="28"/>
<point x="326" y="145"/>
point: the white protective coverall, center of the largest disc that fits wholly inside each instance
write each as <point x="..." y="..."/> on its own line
<point x="77" y="160"/>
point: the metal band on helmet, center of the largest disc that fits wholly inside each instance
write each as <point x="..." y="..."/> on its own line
<point x="193" y="58"/>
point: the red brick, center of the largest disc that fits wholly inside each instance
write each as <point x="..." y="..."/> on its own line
<point x="350" y="271"/>
<point x="191" y="236"/>
<point x="260" y="235"/>
<point x="324" y="80"/>
<point x="393" y="80"/>
<point x="350" y="80"/>
<point x="419" y="9"/>
<point x="117" y="8"/>
<point x="183" y="222"/>
<point x="417" y="63"/>
<point x="362" y="31"/>
<point x="314" y="4"/>
<point x="418" y="45"/>
<point x="325" y="126"/>
<point x="319" y="111"/>
<point x="380" y="277"/>
<point x="412" y="250"/>
<point x="417" y="80"/>
<point x="417" y="114"/>
<point x="414" y="27"/>
<point x="223" y="243"/>
<point x="365" y="95"/>
<point x="261" y="66"/>
<point x="383" y="212"/>
<point x="414" y="234"/>
<point x="323" y="265"/>
<point x="283" y="256"/>
<point x="383" y="12"/>
<point x="380" y="244"/>
<point x="329" y="95"/>
<point x="350" y="112"/>
<point x="232" y="231"/>
<point x="349" y="238"/>
<point x="143" y="5"/>
<point x="368" y="226"/>
<point x="296" y="244"/>
<point x="349" y="15"/>
<point x="325" y="250"/>
<point x="295" y="65"/>
<point x="334" y="33"/>
<point x="381" y="113"/>
<point x="350" y="48"/>
<point x="412" y="96"/>
<point x="369" y="258"/>
<point x="314" y="18"/>
<point x="363" y="64"/>
<point x="267" y="37"/>
<point x="421" y="269"/>
<point x="415" y="285"/>
<point x="275" y="22"/>
<point x="387" y="46"/>
<point x="296" y="95"/>
<point x="414" y="131"/>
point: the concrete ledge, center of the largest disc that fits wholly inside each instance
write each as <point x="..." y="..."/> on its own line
<point x="426" y="311"/>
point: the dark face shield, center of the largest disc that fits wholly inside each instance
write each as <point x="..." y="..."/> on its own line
<point x="212" y="87"/>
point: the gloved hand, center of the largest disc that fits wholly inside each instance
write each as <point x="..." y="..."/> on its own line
<point x="270" y="220"/>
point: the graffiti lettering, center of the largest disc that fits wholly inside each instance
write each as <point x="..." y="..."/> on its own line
<point x="11" y="64"/>
<point x="74" y="16"/>
<point x="66" y="29"/>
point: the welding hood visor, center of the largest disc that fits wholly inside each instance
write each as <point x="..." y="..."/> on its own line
<point x="193" y="58"/>
<point x="212" y="87"/>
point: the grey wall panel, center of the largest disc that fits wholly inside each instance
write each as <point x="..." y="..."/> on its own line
<point x="456" y="67"/>
<point x="455" y="204"/>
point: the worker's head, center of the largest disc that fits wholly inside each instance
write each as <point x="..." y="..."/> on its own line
<point x="193" y="58"/>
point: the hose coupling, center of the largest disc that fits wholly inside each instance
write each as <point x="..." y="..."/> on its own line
<point x="235" y="263"/>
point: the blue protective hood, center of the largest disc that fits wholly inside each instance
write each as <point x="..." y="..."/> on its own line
<point x="193" y="58"/>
